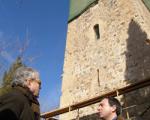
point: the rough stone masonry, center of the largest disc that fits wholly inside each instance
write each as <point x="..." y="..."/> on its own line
<point x="107" y="47"/>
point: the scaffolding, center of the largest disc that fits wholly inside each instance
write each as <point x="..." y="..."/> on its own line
<point x="77" y="106"/>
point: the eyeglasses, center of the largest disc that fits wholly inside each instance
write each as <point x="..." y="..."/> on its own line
<point x="36" y="80"/>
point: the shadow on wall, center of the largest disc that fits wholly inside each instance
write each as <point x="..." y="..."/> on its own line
<point x="137" y="69"/>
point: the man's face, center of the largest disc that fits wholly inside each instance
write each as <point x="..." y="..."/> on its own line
<point x="34" y="86"/>
<point x="104" y="109"/>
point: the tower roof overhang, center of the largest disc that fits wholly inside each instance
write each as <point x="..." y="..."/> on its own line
<point x="77" y="7"/>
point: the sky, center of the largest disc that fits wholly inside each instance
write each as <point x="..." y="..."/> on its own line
<point x="40" y="26"/>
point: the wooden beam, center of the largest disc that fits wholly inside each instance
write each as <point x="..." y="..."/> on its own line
<point x="132" y="87"/>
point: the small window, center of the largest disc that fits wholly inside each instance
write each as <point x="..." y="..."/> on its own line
<point x="96" y="30"/>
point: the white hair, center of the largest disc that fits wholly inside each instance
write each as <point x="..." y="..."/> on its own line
<point x="22" y="74"/>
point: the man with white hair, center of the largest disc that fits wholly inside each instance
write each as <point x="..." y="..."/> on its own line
<point x="21" y="102"/>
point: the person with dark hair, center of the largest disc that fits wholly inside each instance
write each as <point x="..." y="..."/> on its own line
<point x="110" y="109"/>
<point x="21" y="103"/>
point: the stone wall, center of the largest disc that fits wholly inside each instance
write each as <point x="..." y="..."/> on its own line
<point x="120" y="56"/>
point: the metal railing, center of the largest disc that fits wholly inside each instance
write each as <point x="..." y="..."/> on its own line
<point x="132" y="87"/>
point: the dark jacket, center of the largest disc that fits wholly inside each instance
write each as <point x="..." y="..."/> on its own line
<point x="19" y="104"/>
<point x="120" y="118"/>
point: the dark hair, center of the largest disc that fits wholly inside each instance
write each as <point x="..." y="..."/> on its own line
<point x="113" y="101"/>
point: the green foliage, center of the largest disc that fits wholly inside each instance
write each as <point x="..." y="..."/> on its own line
<point x="8" y="75"/>
<point x="4" y="90"/>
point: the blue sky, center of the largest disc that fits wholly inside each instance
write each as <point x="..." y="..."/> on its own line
<point x="44" y="24"/>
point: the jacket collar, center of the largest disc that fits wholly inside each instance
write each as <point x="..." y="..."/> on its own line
<point x="26" y="92"/>
<point x="115" y="118"/>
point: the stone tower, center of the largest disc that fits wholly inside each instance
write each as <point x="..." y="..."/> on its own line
<point x="107" y="47"/>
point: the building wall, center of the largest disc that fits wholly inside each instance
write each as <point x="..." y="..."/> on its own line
<point x="118" y="58"/>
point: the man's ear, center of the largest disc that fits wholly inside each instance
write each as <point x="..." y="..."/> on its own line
<point x="114" y="108"/>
